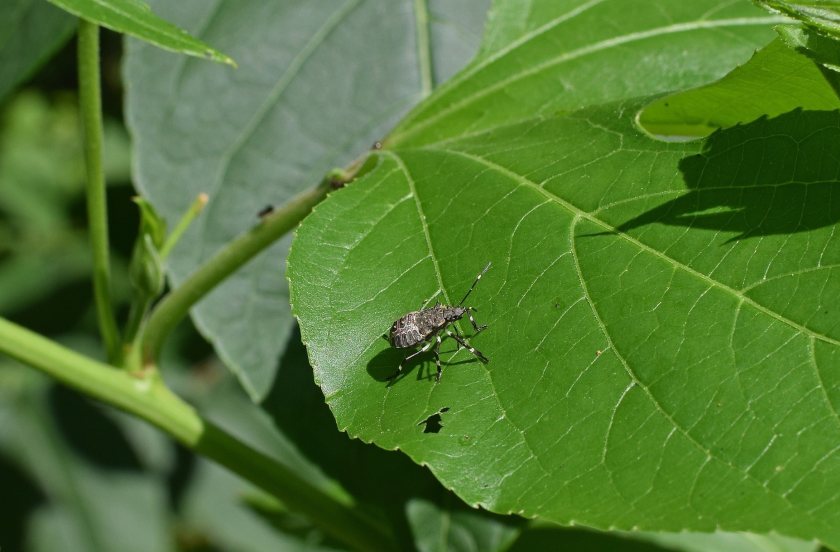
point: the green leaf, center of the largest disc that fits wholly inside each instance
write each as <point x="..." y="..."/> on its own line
<point x="318" y="83"/>
<point x="134" y="18"/>
<point x="145" y="269"/>
<point x="821" y="15"/>
<point x="544" y="536"/>
<point x="31" y="32"/>
<point x="151" y="223"/>
<point x="660" y="332"/>
<point x="437" y="530"/>
<point x="821" y="49"/>
<point x="529" y="68"/>
<point x="774" y="81"/>
<point x="730" y="542"/>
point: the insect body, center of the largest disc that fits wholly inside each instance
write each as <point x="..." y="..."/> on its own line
<point x="427" y="325"/>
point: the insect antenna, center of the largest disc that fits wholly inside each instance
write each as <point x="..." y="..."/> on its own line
<point x="477" y="278"/>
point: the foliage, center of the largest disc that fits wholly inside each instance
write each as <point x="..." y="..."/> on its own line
<point x="660" y="329"/>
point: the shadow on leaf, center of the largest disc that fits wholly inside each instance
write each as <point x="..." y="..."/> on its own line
<point x="771" y="176"/>
<point x="384" y="365"/>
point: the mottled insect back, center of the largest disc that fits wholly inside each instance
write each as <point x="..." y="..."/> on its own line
<point x="427" y="325"/>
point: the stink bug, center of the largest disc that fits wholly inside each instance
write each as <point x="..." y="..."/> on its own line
<point x="427" y="325"/>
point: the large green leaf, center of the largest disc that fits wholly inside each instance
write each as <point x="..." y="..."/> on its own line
<point x="816" y="36"/>
<point x="661" y="335"/>
<point x="572" y="53"/>
<point x="823" y="50"/>
<point x="730" y="542"/>
<point x="318" y="83"/>
<point x="134" y="18"/>
<point x="775" y="80"/>
<point x="543" y="536"/>
<point x="821" y="15"/>
<point x="30" y="31"/>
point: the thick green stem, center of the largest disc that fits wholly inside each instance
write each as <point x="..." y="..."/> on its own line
<point x="175" y="306"/>
<point x="149" y="399"/>
<point x="91" y="112"/>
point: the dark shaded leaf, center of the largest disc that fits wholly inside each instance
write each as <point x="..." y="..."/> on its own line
<point x="31" y="32"/>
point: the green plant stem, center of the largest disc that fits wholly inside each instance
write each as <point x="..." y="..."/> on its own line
<point x="90" y="103"/>
<point x="175" y="306"/>
<point x="149" y="399"/>
<point x="194" y="209"/>
<point x="424" y="52"/>
<point x="136" y="314"/>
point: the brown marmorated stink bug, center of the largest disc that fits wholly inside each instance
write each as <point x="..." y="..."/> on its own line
<point x="427" y="325"/>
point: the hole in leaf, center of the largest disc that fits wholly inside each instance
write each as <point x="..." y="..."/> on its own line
<point x="434" y="423"/>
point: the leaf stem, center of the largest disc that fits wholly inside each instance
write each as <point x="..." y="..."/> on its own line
<point x="424" y="51"/>
<point x="146" y="397"/>
<point x="90" y="104"/>
<point x="194" y="209"/>
<point x="136" y="314"/>
<point x="236" y="253"/>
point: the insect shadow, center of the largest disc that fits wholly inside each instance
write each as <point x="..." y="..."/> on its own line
<point x="381" y="366"/>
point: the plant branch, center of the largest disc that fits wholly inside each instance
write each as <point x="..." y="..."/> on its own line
<point x="149" y="399"/>
<point x="175" y="306"/>
<point x="193" y="211"/>
<point x="424" y="51"/>
<point x="90" y="103"/>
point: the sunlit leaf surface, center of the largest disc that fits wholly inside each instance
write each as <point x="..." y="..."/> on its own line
<point x="661" y="327"/>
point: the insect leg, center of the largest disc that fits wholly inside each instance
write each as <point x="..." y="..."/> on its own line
<point x="477" y="278"/>
<point x="458" y="333"/>
<point x="437" y="358"/>
<point x="429" y="300"/>
<point x="468" y="347"/>
<point x="478" y="329"/>
<point x="423" y="349"/>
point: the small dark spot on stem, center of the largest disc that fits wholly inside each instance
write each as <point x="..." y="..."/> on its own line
<point x="265" y="211"/>
<point x="336" y="183"/>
